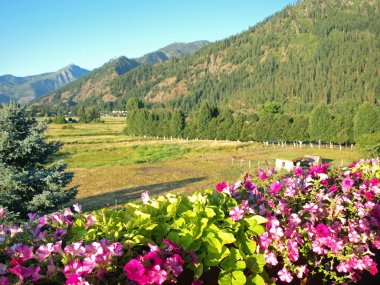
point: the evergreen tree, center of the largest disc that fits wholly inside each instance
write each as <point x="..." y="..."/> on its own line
<point x="28" y="180"/>
<point x="133" y="103"/>
<point x="366" y="120"/>
<point x="298" y="131"/>
<point x="177" y="123"/>
<point x="203" y="118"/>
<point x="319" y="122"/>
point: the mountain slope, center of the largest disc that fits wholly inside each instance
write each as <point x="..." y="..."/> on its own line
<point x="95" y="86"/>
<point x="26" y="89"/>
<point x="311" y="52"/>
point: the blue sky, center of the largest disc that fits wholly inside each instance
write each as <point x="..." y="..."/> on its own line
<point x="45" y="35"/>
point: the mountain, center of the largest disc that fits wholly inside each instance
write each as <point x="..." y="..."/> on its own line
<point x="172" y="50"/>
<point x="311" y="52"/>
<point x="26" y="89"/>
<point x="95" y="85"/>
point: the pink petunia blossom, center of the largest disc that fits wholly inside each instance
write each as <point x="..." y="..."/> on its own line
<point x="175" y="264"/>
<point x="145" y="197"/>
<point x="75" y="249"/>
<point x="236" y="213"/>
<point x="4" y="280"/>
<point x="91" y="220"/>
<point x="76" y="280"/>
<point x="136" y="271"/>
<point x="157" y="275"/>
<point x="285" y="275"/>
<point x="275" y="187"/>
<point x="73" y="267"/>
<point x="271" y="258"/>
<point x="77" y="208"/>
<point x="322" y="230"/>
<point x="347" y="183"/>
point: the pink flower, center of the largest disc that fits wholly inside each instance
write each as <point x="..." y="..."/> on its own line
<point x="302" y="271"/>
<point x="236" y="213"/>
<point x="294" y="220"/>
<point x="221" y="186"/>
<point x="76" y="280"/>
<point x="4" y="280"/>
<point x="347" y="183"/>
<point x="275" y="187"/>
<point x="58" y="218"/>
<point x="3" y="269"/>
<point x="157" y="275"/>
<point x="151" y="259"/>
<point x="343" y="267"/>
<point x="73" y="267"/>
<point x="3" y="213"/>
<point x="262" y="175"/>
<point x="75" y="249"/>
<point x="292" y="246"/>
<point x="88" y="264"/>
<point x="91" y="220"/>
<point x="285" y="275"/>
<point x="175" y="264"/>
<point x="45" y="250"/>
<point x="116" y="249"/>
<point x="21" y="252"/>
<point x="94" y="248"/>
<point x="322" y="230"/>
<point x="77" y="208"/>
<point x="298" y="171"/>
<point x="145" y="197"/>
<point x="271" y="258"/>
<point x="135" y="271"/>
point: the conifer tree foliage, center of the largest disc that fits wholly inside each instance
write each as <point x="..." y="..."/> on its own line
<point x="366" y="120"/>
<point x="29" y="182"/>
<point x="319" y="123"/>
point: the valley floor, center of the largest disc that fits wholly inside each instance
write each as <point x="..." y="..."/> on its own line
<point x="111" y="168"/>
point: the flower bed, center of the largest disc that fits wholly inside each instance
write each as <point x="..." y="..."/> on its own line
<point x="319" y="222"/>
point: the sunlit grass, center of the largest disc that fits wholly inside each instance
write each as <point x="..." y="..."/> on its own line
<point x="112" y="168"/>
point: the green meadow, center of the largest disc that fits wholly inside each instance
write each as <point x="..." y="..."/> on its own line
<point x="111" y="168"/>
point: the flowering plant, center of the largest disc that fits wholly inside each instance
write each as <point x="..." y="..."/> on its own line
<point x="320" y="221"/>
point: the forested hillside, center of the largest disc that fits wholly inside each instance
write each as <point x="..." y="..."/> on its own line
<point x="312" y="52"/>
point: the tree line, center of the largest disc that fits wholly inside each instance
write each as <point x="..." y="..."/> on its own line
<point x="271" y="124"/>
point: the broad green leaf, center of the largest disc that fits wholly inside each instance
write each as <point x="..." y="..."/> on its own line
<point x="234" y="278"/>
<point x="256" y="263"/>
<point x="257" y="280"/>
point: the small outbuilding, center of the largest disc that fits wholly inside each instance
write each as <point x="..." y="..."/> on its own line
<point x="303" y="162"/>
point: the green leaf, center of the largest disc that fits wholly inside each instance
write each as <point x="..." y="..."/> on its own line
<point x="256" y="263"/>
<point x="234" y="278"/>
<point x="258" y="280"/>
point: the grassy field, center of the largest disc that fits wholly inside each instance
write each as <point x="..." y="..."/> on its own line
<point x="111" y="168"/>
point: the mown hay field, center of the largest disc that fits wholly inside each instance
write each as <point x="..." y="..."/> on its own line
<point x="111" y="168"/>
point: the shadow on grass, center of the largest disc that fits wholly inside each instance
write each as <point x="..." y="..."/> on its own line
<point x="123" y="196"/>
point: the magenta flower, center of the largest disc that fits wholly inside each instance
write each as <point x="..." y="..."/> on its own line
<point x="292" y="246"/>
<point x="262" y="175"/>
<point x="221" y="186"/>
<point x="21" y="252"/>
<point x="347" y="183"/>
<point x="135" y="271"/>
<point x="175" y="264"/>
<point x="94" y="248"/>
<point x="58" y="218"/>
<point x="236" y="213"/>
<point x="298" y="171"/>
<point x="76" y="280"/>
<point x="151" y="259"/>
<point x="294" y="220"/>
<point x="88" y="264"/>
<point x="302" y="271"/>
<point x="322" y="230"/>
<point x="285" y="275"/>
<point x="4" y="280"/>
<point x="116" y="249"/>
<point x="275" y="187"/>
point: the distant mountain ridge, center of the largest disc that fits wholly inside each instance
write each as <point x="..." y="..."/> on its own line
<point x="95" y="85"/>
<point x="25" y="89"/>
